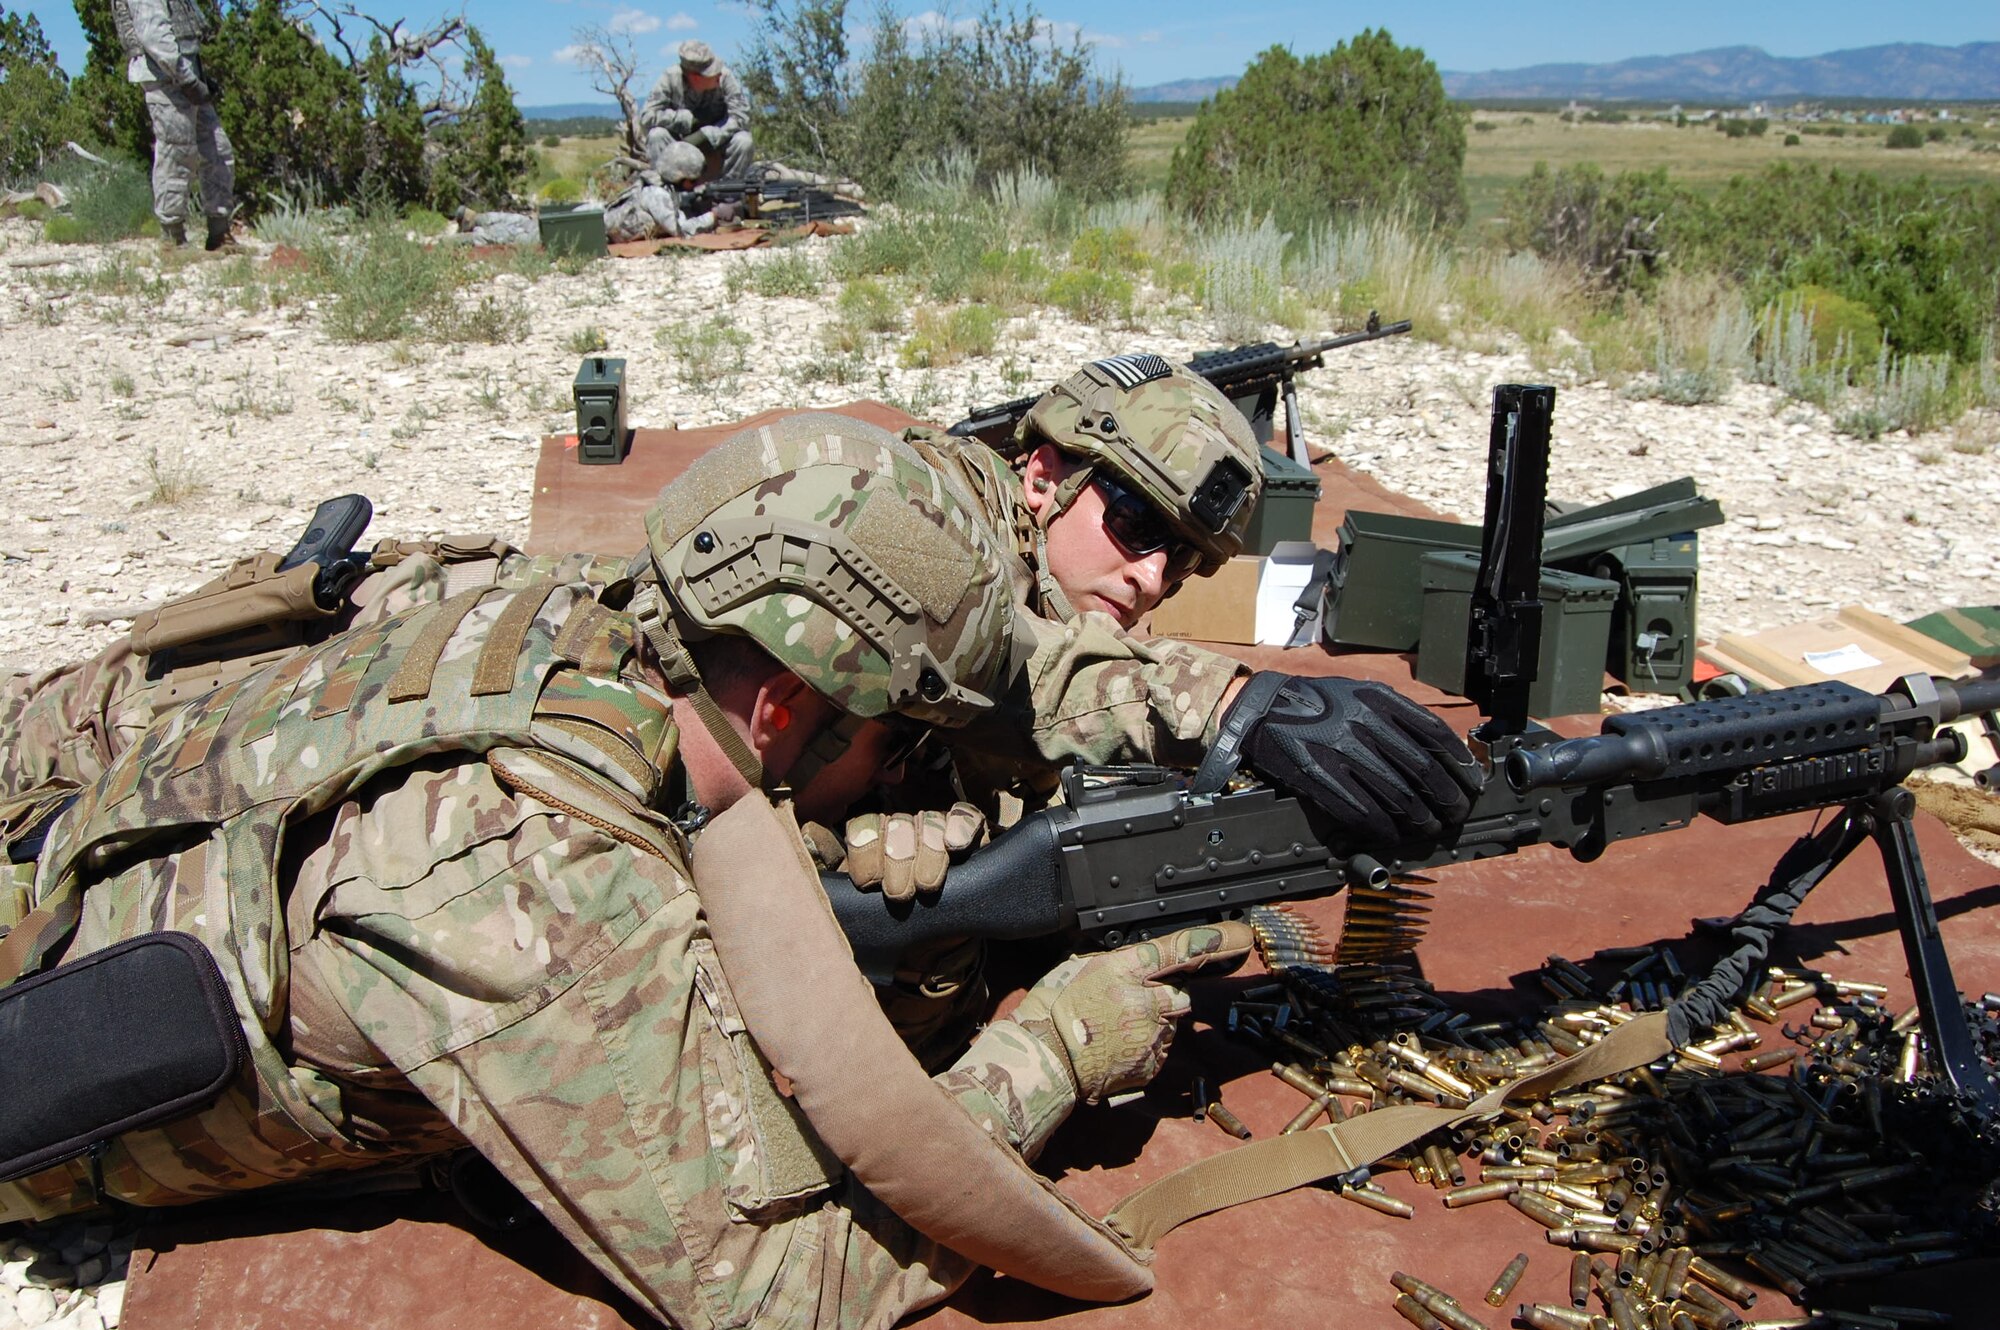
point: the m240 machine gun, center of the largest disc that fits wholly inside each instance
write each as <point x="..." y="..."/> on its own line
<point x="1256" y="377"/>
<point x="1136" y="852"/>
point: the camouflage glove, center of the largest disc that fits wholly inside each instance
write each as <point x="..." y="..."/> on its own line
<point x="1385" y="770"/>
<point x="679" y="124"/>
<point x="905" y="853"/>
<point x="709" y="136"/>
<point x="1107" y="1016"/>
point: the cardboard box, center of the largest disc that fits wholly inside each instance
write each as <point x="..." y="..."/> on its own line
<point x="1248" y="602"/>
<point x="1854" y="645"/>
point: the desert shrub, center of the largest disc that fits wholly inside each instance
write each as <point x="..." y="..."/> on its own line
<point x="1243" y="278"/>
<point x="1791" y="140"/>
<point x="786" y="273"/>
<point x="1734" y="128"/>
<point x="999" y="86"/>
<point x="383" y="286"/>
<point x="1913" y="393"/>
<point x="870" y="305"/>
<point x="110" y="202"/>
<point x="1114" y="250"/>
<point x="1843" y="331"/>
<point x="560" y="190"/>
<point x="945" y="337"/>
<point x="1935" y="134"/>
<point x="1608" y="228"/>
<point x="551" y="140"/>
<point x="1092" y="295"/>
<point x="1365" y="124"/>
<point x="1905" y="136"/>
<point x="711" y="352"/>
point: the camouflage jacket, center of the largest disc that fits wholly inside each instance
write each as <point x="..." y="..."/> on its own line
<point x="725" y="107"/>
<point x="429" y="858"/>
<point x="1092" y="692"/>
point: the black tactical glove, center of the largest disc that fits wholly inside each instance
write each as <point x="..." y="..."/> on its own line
<point x="1385" y="770"/>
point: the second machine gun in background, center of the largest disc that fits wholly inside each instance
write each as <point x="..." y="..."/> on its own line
<point x="1257" y="378"/>
<point x="1135" y="854"/>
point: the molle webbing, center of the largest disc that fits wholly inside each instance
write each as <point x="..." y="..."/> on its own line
<point x="413" y="677"/>
<point x="495" y="671"/>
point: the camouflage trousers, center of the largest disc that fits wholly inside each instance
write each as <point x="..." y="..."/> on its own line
<point x="188" y="138"/>
<point x="731" y="161"/>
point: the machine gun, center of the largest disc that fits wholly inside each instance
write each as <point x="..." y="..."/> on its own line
<point x="793" y="200"/>
<point x="1255" y="377"/>
<point x="1135" y="852"/>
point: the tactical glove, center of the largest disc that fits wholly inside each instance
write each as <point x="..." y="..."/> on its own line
<point x="1107" y="1017"/>
<point x="709" y="136"/>
<point x="680" y="124"/>
<point x="1385" y="770"/>
<point x="905" y="853"/>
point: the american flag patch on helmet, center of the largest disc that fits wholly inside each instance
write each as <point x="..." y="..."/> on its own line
<point x="1130" y="371"/>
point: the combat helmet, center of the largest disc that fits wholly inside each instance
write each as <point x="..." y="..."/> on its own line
<point x="1165" y="433"/>
<point x="832" y="545"/>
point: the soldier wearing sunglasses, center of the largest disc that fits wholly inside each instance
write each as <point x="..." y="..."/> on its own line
<point x="1131" y="475"/>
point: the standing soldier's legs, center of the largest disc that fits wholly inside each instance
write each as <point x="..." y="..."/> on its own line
<point x="218" y="164"/>
<point x="737" y="155"/>
<point x="176" y="156"/>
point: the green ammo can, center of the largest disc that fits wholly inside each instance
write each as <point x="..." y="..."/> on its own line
<point x="1576" y="623"/>
<point x="1653" y="632"/>
<point x="601" y="436"/>
<point x="572" y="228"/>
<point x="1378" y="585"/>
<point x="1286" y="511"/>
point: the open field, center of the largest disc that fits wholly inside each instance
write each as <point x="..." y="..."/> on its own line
<point x="1698" y="155"/>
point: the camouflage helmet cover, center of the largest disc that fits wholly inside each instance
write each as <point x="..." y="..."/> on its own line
<point x="831" y="544"/>
<point x="679" y="161"/>
<point x="1167" y="434"/>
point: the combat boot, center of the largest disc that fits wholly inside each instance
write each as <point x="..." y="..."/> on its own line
<point x="173" y="234"/>
<point x="218" y="233"/>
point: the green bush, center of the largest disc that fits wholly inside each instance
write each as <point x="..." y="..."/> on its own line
<point x="711" y="352"/>
<point x="1607" y="228"/>
<point x="1935" y="134"/>
<point x="1844" y="332"/>
<point x="1114" y="250"/>
<point x="560" y="190"/>
<point x="552" y="140"/>
<point x="1906" y="136"/>
<point x="998" y="86"/>
<point x="870" y="305"/>
<point x="113" y="202"/>
<point x="940" y="338"/>
<point x="1090" y="295"/>
<point x="1735" y="129"/>
<point x="383" y="286"/>
<point x="1791" y="140"/>
<point x="1365" y="124"/>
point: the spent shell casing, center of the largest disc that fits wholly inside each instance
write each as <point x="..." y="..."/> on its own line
<point x="1777" y="1057"/>
<point x="1380" y="1201"/>
<point x="1508" y="1277"/>
<point x="1485" y="1191"/>
<point x="1227" y="1120"/>
<point x="1308" y="1115"/>
<point x="1620" y="1308"/>
<point x="1296" y="1076"/>
<point x="1416" y="1314"/>
<point x="1541" y="1316"/>
<point x="1405" y="1282"/>
<point x="1200" y="1097"/>
<point x="1539" y="1210"/>
<point x="1447" y="1309"/>
<point x="1579" y="1280"/>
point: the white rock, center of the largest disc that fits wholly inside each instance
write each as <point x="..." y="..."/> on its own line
<point x="35" y="1306"/>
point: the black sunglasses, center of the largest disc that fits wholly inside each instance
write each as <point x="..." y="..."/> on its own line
<point x="1141" y="529"/>
<point x="906" y="742"/>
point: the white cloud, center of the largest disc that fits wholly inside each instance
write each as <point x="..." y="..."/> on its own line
<point x="1151" y="35"/>
<point x="566" y="55"/>
<point x="516" y="61"/>
<point x="682" y="23"/>
<point x="931" y="23"/>
<point x="634" y="20"/>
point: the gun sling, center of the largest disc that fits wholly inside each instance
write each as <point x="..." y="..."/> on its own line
<point x="120" y="1040"/>
<point x="815" y="1020"/>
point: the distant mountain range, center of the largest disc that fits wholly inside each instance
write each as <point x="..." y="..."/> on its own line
<point x="1907" y="70"/>
<point x="572" y="111"/>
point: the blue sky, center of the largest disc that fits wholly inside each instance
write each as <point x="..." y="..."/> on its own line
<point x="1155" y="41"/>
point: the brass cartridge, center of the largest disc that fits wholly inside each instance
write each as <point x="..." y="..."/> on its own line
<point x="1504" y="1284"/>
<point x="1380" y="1201"/>
<point x="1227" y="1120"/>
<point x="1486" y="1191"/>
<point x="1415" y="1313"/>
<point x="1579" y="1280"/>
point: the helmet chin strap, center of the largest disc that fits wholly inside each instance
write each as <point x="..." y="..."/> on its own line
<point x="649" y="611"/>
<point x="1054" y="599"/>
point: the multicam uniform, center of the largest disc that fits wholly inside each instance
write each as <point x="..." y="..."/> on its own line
<point x="162" y="42"/>
<point x="431" y="859"/>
